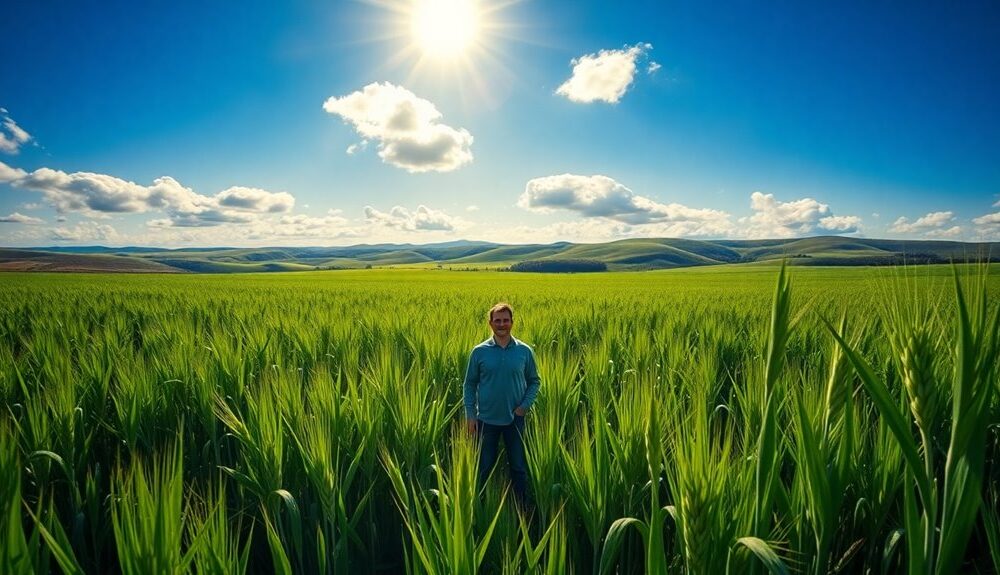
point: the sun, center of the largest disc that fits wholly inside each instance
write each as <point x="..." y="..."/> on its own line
<point x="458" y="43"/>
<point x="445" y="29"/>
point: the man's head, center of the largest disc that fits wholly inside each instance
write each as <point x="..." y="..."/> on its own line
<point x="501" y="318"/>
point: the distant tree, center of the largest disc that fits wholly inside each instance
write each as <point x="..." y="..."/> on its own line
<point x="559" y="266"/>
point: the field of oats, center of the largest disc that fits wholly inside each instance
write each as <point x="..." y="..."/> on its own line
<point x="734" y="419"/>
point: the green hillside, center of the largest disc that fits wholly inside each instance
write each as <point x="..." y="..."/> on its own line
<point x="26" y="260"/>
<point x="628" y="254"/>
<point x="509" y="254"/>
<point x="221" y="267"/>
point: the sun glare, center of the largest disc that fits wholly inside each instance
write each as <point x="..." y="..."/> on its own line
<point x="445" y="28"/>
<point x="455" y="42"/>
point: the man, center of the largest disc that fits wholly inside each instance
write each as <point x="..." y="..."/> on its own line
<point x="501" y="383"/>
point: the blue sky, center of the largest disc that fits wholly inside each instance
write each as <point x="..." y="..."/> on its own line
<point x="330" y="123"/>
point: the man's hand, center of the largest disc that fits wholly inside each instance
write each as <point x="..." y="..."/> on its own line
<point x="519" y="411"/>
<point x="471" y="425"/>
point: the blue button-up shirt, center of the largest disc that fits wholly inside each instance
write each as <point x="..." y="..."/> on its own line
<point x="498" y="380"/>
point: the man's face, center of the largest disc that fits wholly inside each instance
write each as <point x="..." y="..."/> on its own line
<point x="501" y="323"/>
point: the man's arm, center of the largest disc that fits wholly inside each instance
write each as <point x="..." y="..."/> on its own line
<point x="533" y="381"/>
<point x="469" y="390"/>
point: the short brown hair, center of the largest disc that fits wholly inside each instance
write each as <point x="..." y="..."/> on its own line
<point x="500" y="306"/>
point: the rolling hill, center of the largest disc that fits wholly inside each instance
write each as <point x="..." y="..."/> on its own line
<point x="629" y="254"/>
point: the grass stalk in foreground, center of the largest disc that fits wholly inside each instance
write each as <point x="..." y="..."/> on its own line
<point x="440" y="520"/>
<point x="824" y="452"/>
<point x="937" y="532"/>
<point x="768" y="446"/>
<point x="652" y="531"/>
<point x="147" y="515"/>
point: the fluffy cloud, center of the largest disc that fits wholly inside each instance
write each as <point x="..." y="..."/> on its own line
<point x="952" y="232"/>
<point x="333" y="227"/>
<point x="17" y="218"/>
<point x="204" y="218"/>
<point x="289" y="230"/>
<point x="932" y="222"/>
<point x="604" y="76"/>
<point x="422" y="219"/>
<point x="256" y="200"/>
<point x="602" y="197"/>
<point x="301" y="226"/>
<point x="12" y="136"/>
<point x="589" y="230"/>
<point x="85" y="191"/>
<point x="582" y="231"/>
<point x="776" y="219"/>
<point x="988" y="226"/>
<point x="840" y="224"/>
<point x="97" y="195"/>
<point x="988" y="220"/>
<point x="87" y="231"/>
<point x="406" y="127"/>
<point x="9" y="174"/>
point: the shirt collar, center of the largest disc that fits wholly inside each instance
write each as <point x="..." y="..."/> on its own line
<point x="492" y="342"/>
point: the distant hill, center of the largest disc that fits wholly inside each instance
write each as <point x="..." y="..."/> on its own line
<point x="38" y="261"/>
<point x="630" y="254"/>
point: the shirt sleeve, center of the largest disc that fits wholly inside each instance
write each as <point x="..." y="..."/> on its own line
<point x="532" y="379"/>
<point x="471" y="386"/>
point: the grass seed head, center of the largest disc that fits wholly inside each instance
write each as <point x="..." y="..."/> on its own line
<point x="918" y="378"/>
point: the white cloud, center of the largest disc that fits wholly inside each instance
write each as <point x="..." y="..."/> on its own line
<point x="472" y="208"/>
<point x="604" y="76"/>
<point x="842" y="224"/>
<point x="9" y="174"/>
<point x="613" y="212"/>
<point x="988" y="220"/>
<point x="776" y="219"/>
<point x="12" y="136"/>
<point x="256" y="200"/>
<point x="933" y="221"/>
<point x="589" y="230"/>
<point x="306" y="221"/>
<point x="97" y="195"/>
<point x="87" y="231"/>
<point x="952" y="232"/>
<point x="422" y="219"/>
<point x="406" y="127"/>
<point x="207" y="218"/>
<point x="331" y="226"/>
<point x="85" y="191"/>
<point x="653" y="67"/>
<point x="18" y="218"/>
<point x="310" y="230"/>
<point x="358" y="147"/>
<point x="302" y="229"/>
<point x="602" y="197"/>
<point x="586" y="231"/>
<point x="24" y="235"/>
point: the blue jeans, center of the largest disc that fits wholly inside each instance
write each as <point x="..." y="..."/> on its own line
<point x="513" y="439"/>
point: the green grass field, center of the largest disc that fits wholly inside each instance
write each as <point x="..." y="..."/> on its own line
<point x="700" y="420"/>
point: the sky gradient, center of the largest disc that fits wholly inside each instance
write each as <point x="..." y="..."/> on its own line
<point x="332" y="123"/>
